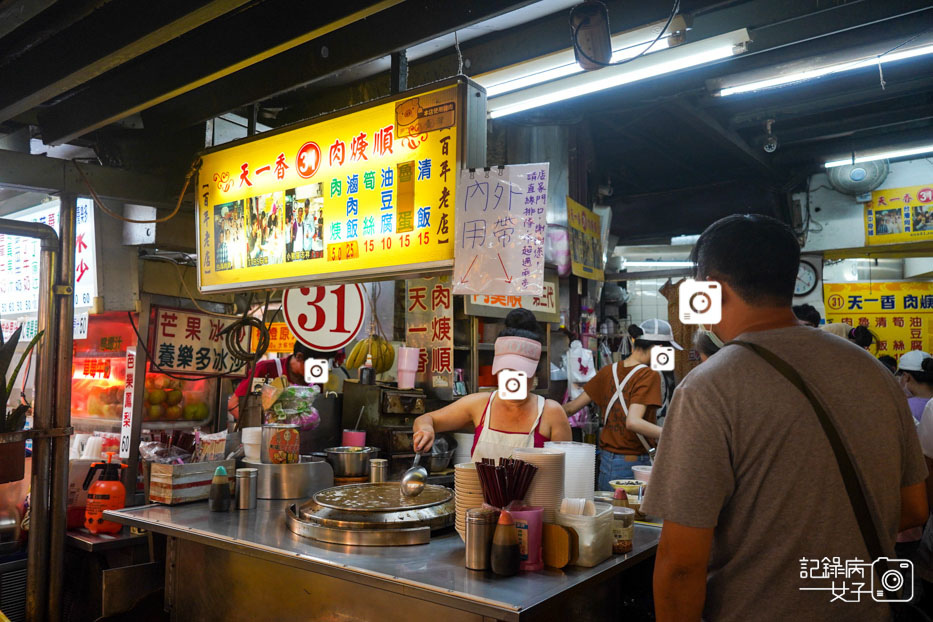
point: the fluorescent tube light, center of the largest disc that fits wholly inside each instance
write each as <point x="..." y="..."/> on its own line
<point x="625" y="45"/>
<point x="819" y="72"/>
<point x="881" y="155"/>
<point x="648" y="66"/>
<point x="657" y="264"/>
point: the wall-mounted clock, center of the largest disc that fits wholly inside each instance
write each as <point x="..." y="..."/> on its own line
<point x="807" y="279"/>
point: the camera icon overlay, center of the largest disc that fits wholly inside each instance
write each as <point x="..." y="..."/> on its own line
<point x="513" y="385"/>
<point x="700" y="302"/>
<point x="317" y="371"/>
<point x="662" y="358"/>
<point x="896" y="575"/>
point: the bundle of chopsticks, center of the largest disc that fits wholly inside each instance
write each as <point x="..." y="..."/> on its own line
<point x="507" y="482"/>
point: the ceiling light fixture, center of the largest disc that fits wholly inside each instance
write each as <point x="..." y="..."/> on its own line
<point x="657" y="264"/>
<point x="561" y="64"/>
<point x="819" y="72"/>
<point x="649" y="66"/>
<point x="889" y="154"/>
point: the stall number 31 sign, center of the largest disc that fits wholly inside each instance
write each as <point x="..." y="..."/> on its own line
<point x="325" y="318"/>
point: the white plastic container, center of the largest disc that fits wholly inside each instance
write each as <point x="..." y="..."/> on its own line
<point x="594" y="533"/>
<point x="642" y="473"/>
<point x="252" y="443"/>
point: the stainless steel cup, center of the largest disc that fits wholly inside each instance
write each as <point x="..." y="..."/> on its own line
<point x="246" y="488"/>
<point x="480" y="527"/>
<point x="378" y="470"/>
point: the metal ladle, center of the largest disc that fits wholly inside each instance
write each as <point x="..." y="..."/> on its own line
<point x="414" y="479"/>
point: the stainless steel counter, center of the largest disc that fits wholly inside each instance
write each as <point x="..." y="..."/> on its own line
<point x="432" y="573"/>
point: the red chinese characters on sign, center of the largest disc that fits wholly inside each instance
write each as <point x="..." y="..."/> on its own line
<point x="167" y="321"/>
<point x="383" y="140"/>
<point x="441" y="360"/>
<point x="193" y="328"/>
<point x="358" y="147"/>
<point x="244" y="175"/>
<point x="338" y="153"/>
<point x="416" y="296"/>
<point x="440" y="297"/>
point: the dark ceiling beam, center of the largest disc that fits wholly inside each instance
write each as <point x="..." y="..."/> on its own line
<point x="796" y="102"/>
<point x="873" y="139"/>
<point x="217" y="49"/>
<point x="705" y="123"/>
<point x="56" y="17"/>
<point x="15" y="13"/>
<point x="828" y="129"/>
<point x="369" y="40"/>
<point x="53" y="175"/>
<point x="117" y="33"/>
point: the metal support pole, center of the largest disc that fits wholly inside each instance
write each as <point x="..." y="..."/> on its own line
<point x="251" y="121"/>
<point x="399" y="72"/>
<point x="38" y="568"/>
<point x="64" y="300"/>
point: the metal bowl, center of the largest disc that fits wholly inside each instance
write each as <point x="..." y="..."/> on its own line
<point x="350" y="461"/>
<point x="438" y="462"/>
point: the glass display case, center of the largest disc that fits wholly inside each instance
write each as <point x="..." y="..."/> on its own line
<point x="99" y="378"/>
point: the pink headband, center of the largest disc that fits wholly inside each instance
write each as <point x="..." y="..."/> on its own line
<point x="516" y="353"/>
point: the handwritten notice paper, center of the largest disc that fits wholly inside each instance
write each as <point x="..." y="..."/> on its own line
<point x="500" y="226"/>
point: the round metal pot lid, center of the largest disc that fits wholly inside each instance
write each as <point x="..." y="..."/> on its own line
<point x="380" y="497"/>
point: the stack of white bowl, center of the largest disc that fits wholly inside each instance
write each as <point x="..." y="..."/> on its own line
<point x="464" y="445"/>
<point x="467" y="493"/>
<point x="579" y="468"/>
<point x="547" y="486"/>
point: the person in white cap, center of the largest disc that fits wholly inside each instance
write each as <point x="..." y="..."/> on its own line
<point x="502" y="423"/>
<point x="916" y="377"/>
<point x="629" y="394"/>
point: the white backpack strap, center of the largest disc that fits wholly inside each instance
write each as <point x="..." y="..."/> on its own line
<point x="619" y="386"/>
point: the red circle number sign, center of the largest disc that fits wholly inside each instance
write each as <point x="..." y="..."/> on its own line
<point x="327" y="317"/>
<point x="308" y="159"/>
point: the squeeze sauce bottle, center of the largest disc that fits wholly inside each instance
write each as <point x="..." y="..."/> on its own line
<point x="107" y="493"/>
<point x="505" y="556"/>
<point x="219" y="499"/>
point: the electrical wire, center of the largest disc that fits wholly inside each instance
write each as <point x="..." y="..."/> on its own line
<point x="577" y="48"/>
<point x="195" y="166"/>
<point x="184" y="284"/>
<point x="140" y="342"/>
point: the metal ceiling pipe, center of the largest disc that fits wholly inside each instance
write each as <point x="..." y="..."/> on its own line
<point x="64" y="301"/>
<point x="37" y="573"/>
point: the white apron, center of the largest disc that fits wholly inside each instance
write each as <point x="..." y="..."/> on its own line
<point x="618" y="397"/>
<point x="495" y="445"/>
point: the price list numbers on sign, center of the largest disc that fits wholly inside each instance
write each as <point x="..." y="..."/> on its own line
<point x="501" y="222"/>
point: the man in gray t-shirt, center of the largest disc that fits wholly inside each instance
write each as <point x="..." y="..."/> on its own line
<point x="745" y="479"/>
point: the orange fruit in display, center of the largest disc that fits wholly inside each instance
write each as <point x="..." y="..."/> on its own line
<point x="174" y="397"/>
<point x="173" y="412"/>
<point x="156" y="396"/>
<point x="156" y="412"/>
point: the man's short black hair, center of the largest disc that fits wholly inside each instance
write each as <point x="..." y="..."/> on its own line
<point x="309" y="353"/>
<point x="755" y="255"/>
<point x="808" y="314"/>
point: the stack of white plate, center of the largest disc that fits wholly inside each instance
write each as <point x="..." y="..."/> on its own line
<point x="579" y="468"/>
<point x="467" y="493"/>
<point x="547" y="487"/>
<point x="464" y="445"/>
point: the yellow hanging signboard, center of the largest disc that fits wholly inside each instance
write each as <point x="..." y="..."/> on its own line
<point x="366" y="192"/>
<point x="586" y="247"/>
<point x="900" y="314"/>
<point x="899" y="215"/>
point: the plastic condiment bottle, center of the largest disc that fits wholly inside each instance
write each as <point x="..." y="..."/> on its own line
<point x="620" y="499"/>
<point x="505" y="556"/>
<point x="219" y="499"/>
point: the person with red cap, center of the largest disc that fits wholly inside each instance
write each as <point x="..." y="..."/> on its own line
<point x="502" y="425"/>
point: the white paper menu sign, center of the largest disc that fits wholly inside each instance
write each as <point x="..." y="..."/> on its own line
<point x="126" y="419"/>
<point x="500" y="226"/>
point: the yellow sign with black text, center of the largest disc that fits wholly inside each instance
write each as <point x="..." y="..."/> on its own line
<point x="900" y="314"/>
<point x="899" y="215"/>
<point x="370" y="191"/>
<point x="586" y="247"/>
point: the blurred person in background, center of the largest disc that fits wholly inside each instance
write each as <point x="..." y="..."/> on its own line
<point x="915" y="373"/>
<point x="808" y="315"/>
